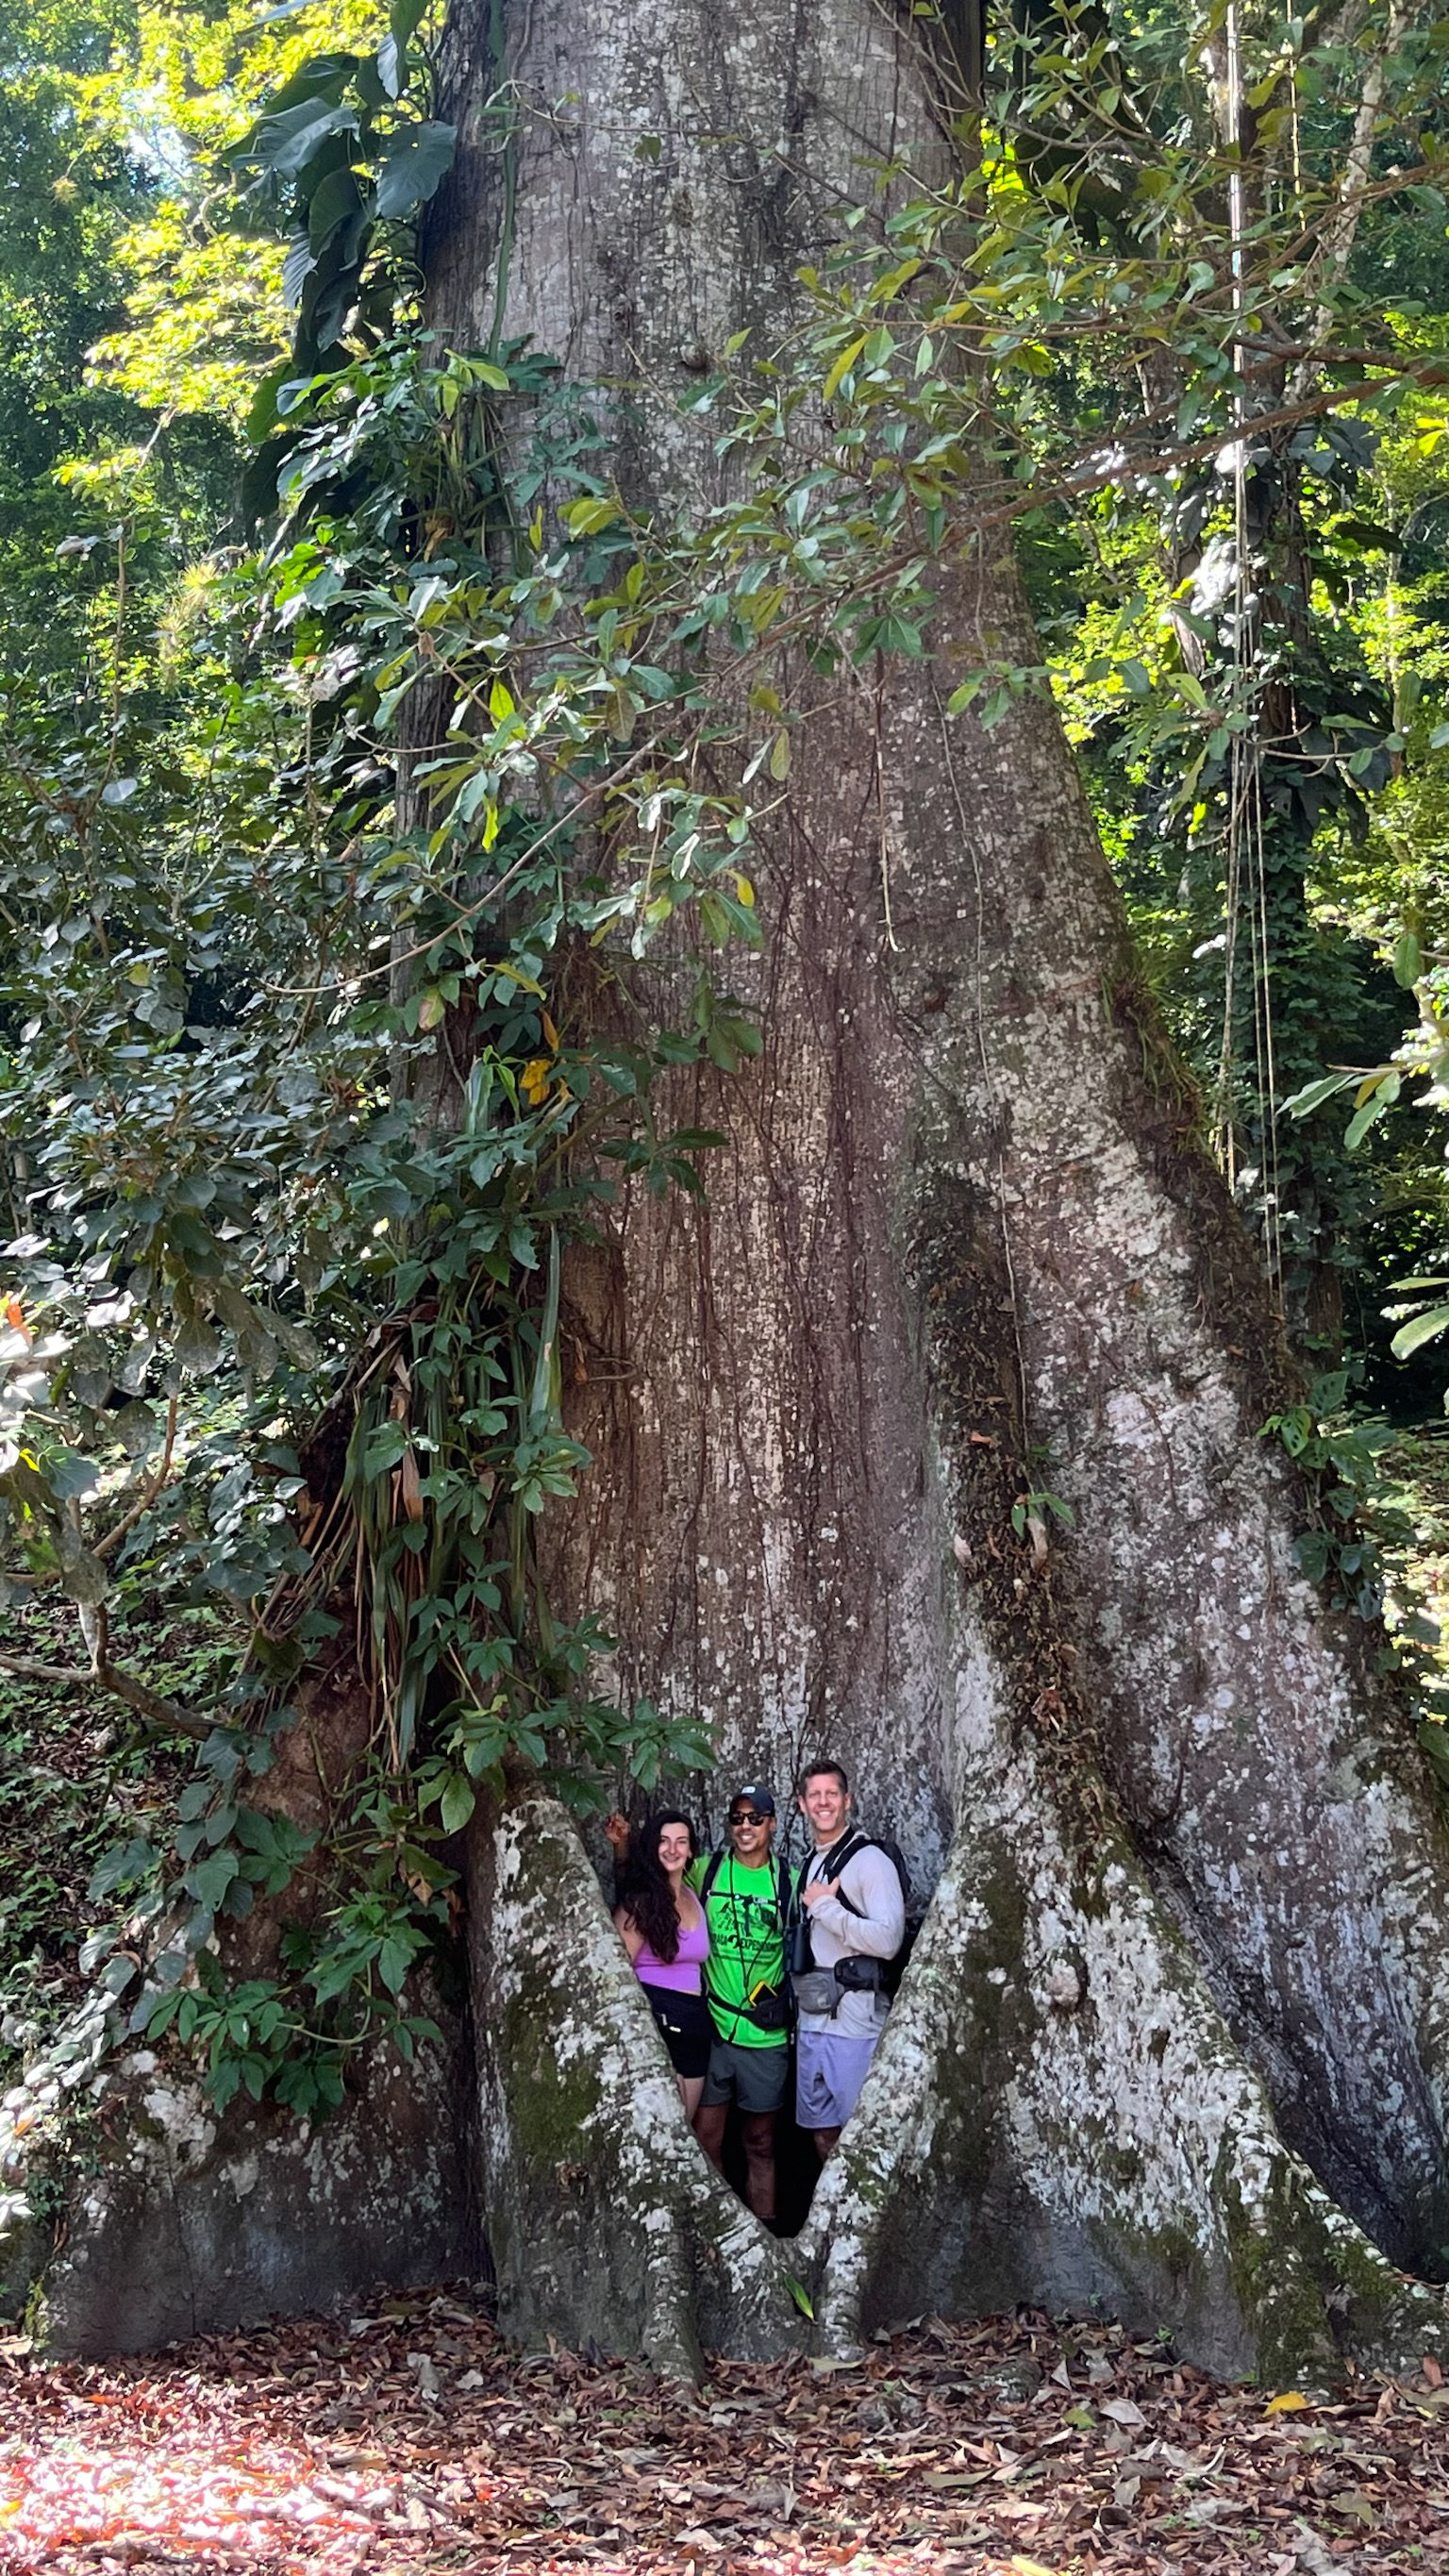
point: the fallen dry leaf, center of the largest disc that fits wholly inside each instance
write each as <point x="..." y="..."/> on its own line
<point x="409" y="2441"/>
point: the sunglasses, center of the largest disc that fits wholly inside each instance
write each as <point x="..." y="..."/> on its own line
<point x="746" y="1816"/>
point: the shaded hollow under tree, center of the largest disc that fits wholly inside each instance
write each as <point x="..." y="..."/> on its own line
<point x="1175" y="2037"/>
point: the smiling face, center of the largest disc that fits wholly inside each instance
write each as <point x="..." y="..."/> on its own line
<point x="750" y="1835"/>
<point x="674" y="1853"/>
<point x="826" y="1804"/>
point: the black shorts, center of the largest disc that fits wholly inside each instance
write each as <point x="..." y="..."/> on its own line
<point x="684" y="2026"/>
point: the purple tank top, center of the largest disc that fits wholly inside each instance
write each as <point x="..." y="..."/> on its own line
<point x="681" y="1974"/>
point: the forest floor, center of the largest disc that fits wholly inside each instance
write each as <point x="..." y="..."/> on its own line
<point x="409" y="2440"/>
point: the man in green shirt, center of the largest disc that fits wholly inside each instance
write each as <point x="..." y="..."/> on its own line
<point x="745" y="1896"/>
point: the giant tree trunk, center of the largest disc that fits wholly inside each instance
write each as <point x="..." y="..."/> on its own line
<point x="1174" y="2038"/>
<point x="1176" y="2009"/>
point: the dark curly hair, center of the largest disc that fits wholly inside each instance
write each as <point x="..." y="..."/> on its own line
<point x="642" y="1889"/>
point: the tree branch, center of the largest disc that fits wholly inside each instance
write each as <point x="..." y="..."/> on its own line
<point x="123" y="1685"/>
<point x="148" y="1493"/>
<point x="1339" y="232"/>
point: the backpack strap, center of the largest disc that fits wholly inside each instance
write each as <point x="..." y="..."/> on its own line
<point x="836" y="1859"/>
<point x="847" y="1850"/>
<point x="784" y="1894"/>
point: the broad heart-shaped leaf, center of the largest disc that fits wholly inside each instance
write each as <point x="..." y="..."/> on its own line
<point x="69" y="1474"/>
<point x="197" y="1348"/>
<point x="208" y="1880"/>
<point x="327" y="301"/>
<point x="322" y="78"/>
<point x="136" y="1428"/>
<point x="413" y="169"/>
<point x="259" y="474"/>
<point x="263" y="416"/>
<point x="285" y="144"/>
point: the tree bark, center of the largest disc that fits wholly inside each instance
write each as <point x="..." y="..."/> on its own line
<point x="1173" y="2039"/>
<point x="1182" y="1955"/>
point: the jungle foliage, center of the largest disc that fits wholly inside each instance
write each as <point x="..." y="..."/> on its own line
<point x="362" y="738"/>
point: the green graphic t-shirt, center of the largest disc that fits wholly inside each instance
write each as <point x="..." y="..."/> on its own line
<point x="746" y="1946"/>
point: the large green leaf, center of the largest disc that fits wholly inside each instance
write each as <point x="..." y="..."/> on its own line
<point x="413" y="169"/>
<point x="334" y="203"/>
<point x="1424" y="1328"/>
<point x="1313" y="1094"/>
<point x="285" y="144"/>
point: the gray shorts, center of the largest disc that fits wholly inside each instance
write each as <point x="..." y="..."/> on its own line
<point x="755" y="2077"/>
<point x="829" y="2072"/>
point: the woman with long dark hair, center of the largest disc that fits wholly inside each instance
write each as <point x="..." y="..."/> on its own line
<point x="662" y="1927"/>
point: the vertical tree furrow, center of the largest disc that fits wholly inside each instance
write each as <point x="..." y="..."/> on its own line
<point x="1239" y="1724"/>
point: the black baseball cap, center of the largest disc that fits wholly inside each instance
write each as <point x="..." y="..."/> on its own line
<point x="761" y="1799"/>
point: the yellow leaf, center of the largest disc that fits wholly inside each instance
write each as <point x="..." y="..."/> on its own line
<point x="535" y="1080"/>
<point x="1030" y="2567"/>
<point x="843" y="365"/>
<point x="780" y="756"/>
<point x="1292" y="2402"/>
<point x="549" y="1031"/>
<point x="745" y="892"/>
<point x="500" y="703"/>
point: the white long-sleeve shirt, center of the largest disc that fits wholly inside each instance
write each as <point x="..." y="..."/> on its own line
<point x="875" y="1931"/>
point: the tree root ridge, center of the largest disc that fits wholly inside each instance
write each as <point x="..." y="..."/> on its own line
<point x="604" y="2219"/>
<point x="1087" y="2141"/>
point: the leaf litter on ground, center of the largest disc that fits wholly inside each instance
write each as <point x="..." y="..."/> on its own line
<point x="409" y="2439"/>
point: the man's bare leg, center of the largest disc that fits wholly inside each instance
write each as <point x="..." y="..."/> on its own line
<point x="709" y="2128"/>
<point x="758" y="2129"/>
<point x="825" y="2139"/>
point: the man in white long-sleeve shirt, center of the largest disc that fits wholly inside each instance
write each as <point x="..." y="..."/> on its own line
<point x="851" y="1892"/>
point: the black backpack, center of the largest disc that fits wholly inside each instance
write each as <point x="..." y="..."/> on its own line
<point x="843" y="1852"/>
